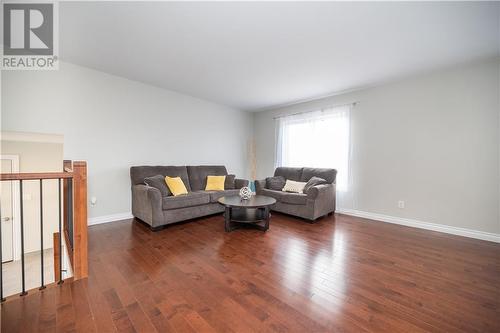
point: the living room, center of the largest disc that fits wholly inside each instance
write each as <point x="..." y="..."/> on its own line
<point x="361" y="139"/>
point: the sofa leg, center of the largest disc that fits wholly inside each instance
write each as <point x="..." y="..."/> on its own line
<point x="154" y="229"/>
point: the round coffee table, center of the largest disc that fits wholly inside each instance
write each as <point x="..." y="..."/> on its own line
<point x="253" y="212"/>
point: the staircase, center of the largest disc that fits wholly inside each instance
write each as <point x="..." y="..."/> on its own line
<point x="72" y="224"/>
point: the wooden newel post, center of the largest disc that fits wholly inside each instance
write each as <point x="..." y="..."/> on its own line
<point x="80" y="258"/>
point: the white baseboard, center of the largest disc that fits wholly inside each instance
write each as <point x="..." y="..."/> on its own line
<point x="109" y="218"/>
<point x="423" y="225"/>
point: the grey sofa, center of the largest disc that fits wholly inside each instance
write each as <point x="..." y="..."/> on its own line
<point x="318" y="201"/>
<point x="150" y="206"/>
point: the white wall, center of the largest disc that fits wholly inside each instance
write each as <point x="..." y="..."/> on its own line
<point x="115" y="123"/>
<point x="432" y="141"/>
<point x="37" y="157"/>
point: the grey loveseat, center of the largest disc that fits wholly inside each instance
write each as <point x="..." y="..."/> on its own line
<point x="157" y="210"/>
<point x="319" y="200"/>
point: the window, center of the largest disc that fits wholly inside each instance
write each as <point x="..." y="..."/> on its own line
<point x="318" y="139"/>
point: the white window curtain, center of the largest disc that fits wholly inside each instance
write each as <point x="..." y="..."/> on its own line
<point x="317" y="139"/>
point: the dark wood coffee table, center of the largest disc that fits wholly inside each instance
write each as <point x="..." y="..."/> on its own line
<point x="253" y="212"/>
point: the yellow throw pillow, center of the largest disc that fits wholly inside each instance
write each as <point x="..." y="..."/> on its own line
<point x="175" y="185"/>
<point x="215" y="183"/>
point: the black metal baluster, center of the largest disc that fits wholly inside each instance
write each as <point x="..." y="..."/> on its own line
<point x="41" y="236"/>
<point x="60" y="237"/>
<point x="1" y="259"/>
<point x="23" y="293"/>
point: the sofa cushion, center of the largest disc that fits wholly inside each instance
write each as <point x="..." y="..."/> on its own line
<point x="327" y="174"/>
<point x="294" y="198"/>
<point x="198" y="175"/>
<point x="293" y="186"/>
<point x="216" y="195"/>
<point x="313" y="182"/>
<point x="239" y="183"/>
<point x="158" y="181"/>
<point x="275" y="183"/>
<point x="186" y="200"/>
<point x="285" y="197"/>
<point x="289" y="173"/>
<point x="138" y="173"/>
<point x="229" y="183"/>
<point x="215" y="183"/>
<point x="176" y="185"/>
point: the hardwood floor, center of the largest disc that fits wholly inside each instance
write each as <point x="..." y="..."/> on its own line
<point x="342" y="274"/>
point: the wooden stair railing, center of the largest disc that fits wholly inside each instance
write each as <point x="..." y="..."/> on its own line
<point x="57" y="257"/>
<point x="76" y="241"/>
<point x="73" y="217"/>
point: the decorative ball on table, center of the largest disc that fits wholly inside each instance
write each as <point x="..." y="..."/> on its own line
<point x="245" y="193"/>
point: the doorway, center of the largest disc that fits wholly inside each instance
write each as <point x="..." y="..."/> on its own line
<point x="9" y="191"/>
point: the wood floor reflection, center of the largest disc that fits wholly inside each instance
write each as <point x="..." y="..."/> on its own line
<point x="341" y="274"/>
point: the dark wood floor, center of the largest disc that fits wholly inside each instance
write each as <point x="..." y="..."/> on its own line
<point x="342" y="274"/>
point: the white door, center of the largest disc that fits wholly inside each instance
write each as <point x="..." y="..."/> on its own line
<point x="9" y="164"/>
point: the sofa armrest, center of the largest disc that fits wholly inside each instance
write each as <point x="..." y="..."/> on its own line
<point x="317" y="191"/>
<point x="260" y="185"/>
<point x="322" y="198"/>
<point x="239" y="183"/>
<point x="147" y="204"/>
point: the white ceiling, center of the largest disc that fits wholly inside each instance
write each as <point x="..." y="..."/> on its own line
<point x="257" y="55"/>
